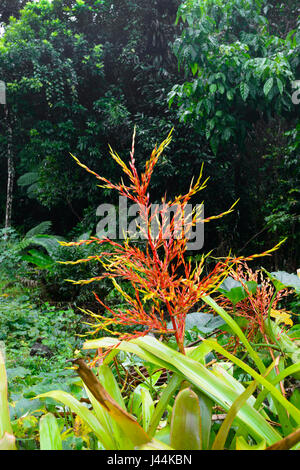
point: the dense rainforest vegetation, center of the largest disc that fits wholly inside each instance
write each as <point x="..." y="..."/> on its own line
<point x="80" y="75"/>
<point x="80" y="78"/>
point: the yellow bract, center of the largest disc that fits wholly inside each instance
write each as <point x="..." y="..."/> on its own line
<point x="282" y="317"/>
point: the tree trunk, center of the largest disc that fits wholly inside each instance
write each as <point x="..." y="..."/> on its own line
<point x="10" y="172"/>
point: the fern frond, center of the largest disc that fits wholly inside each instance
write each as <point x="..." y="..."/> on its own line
<point x="39" y="229"/>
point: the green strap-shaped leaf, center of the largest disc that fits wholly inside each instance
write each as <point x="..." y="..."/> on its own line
<point x="237" y="330"/>
<point x="206" y="405"/>
<point x="219" y="442"/>
<point x="244" y="89"/>
<point x="215" y="388"/>
<point x="268" y="385"/>
<point x="200" y="376"/>
<point x="8" y="442"/>
<point x="50" y="438"/>
<point x="241" y="444"/>
<point x="5" y="424"/>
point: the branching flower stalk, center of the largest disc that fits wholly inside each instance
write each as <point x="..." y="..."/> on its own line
<point x="257" y="307"/>
<point x="166" y="284"/>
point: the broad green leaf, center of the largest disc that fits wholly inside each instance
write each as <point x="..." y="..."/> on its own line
<point x="147" y="408"/>
<point x="50" y="438"/>
<point x="268" y="86"/>
<point x="280" y="85"/>
<point x="229" y="283"/>
<point x="282" y="280"/>
<point x="205" y="322"/>
<point x="186" y="422"/>
<point x="235" y="291"/>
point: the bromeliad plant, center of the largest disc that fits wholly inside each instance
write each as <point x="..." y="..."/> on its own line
<point x="166" y="285"/>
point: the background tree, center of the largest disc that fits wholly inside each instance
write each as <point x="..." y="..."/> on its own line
<point x="240" y="59"/>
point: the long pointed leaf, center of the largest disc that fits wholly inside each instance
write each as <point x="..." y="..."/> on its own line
<point x="268" y="385"/>
<point x="237" y="330"/>
<point x="164" y="399"/>
<point x="215" y="388"/>
<point x="201" y="377"/>
<point x="241" y="444"/>
<point x="50" y="438"/>
<point x="82" y="411"/>
<point x="221" y="437"/>
<point x="8" y="442"/>
<point x="287" y="443"/>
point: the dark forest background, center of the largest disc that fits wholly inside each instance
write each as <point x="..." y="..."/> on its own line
<point x="81" y="74"/>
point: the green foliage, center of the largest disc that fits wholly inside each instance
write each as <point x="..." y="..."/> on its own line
<point x="37" y="342"/>
<point x="14" y="254"/>
<point x="237" y="68"/>
<point x="23" y="325"/>
<point x="50" y="438"/>
<point x="79" y="75"/>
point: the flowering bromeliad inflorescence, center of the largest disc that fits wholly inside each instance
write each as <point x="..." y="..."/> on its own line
<point x="257" y="303"/>
<point x="166" y="284"/>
